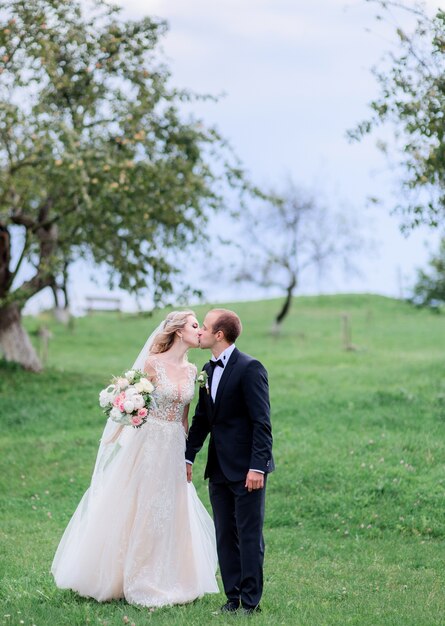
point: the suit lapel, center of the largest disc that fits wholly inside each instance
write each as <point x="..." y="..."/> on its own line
<point x="224" y="378"/>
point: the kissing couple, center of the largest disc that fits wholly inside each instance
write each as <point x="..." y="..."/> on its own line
<point x="140" y="532"/>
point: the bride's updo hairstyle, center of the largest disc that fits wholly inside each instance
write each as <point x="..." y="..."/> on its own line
<point x="176" y="320"/>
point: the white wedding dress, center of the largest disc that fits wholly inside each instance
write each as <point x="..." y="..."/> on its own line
<point x="140" y="531"/>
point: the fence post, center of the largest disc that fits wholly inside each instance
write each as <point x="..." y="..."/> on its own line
<point x="346" y="331"/>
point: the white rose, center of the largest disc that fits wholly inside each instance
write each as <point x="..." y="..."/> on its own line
<point x="147" y="386"/>
<point x="122" y="383"/>
<point x="138" y="402"/>
<point x="130" y="375"/>
<point x="129" y="406"/>
<point x="130" y="392"/>
<point x="105" y="398"/>
<point x="139" y="387"/>
<point x="115" y="414"/>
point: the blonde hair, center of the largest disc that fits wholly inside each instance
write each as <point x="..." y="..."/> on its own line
<point x="176" y="320"/>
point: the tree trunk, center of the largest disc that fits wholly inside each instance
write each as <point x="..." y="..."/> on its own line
<point x="53" y="288"/>
<point x="14" y="340"/>
<point x="286" y="306"/>
<point x="65" y="285"/>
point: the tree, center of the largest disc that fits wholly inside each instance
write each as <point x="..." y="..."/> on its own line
<point x="286" y="235"/>
<point x="429" y="290"/>
<point x="95" y="158"/>
<point x="412" y="99"/>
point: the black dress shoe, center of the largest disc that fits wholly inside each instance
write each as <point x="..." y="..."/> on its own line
<point x="250" y="610"/>
<point x="230" y="607"/>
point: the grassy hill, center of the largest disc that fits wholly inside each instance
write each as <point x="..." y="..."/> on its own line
<point x="355" y="512"/>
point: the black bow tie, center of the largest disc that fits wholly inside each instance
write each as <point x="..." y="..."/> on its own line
<point x="219" y="363"/>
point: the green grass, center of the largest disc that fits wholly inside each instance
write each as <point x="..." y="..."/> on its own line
<point x="355" y="522"/>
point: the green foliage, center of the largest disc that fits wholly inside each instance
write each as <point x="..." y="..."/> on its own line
<point x="354" y="522"/>
<point x="96" y="160"/>
<point x="429" y="289"/>
<point x="412" y="99"/>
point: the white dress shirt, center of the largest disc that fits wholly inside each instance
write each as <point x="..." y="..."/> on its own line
<point x="219" y="371"/>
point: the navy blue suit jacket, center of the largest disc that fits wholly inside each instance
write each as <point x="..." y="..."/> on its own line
<point x="238" y="421"/>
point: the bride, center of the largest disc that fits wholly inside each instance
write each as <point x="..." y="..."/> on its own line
<point x="140" y="531"/>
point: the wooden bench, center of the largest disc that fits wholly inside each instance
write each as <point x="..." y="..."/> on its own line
<point x="103" y="303"/>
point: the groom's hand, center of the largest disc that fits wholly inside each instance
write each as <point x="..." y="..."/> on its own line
<point x="189" y="470"/>
<point x="254" y="480"/>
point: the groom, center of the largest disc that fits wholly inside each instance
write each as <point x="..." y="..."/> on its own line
<point x="234" y="408"/>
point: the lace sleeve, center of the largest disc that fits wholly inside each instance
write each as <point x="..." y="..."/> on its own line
<point x="150" y="366"/>
<point x="194" y="370"/>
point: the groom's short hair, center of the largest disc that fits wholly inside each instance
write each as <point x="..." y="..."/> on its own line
<point x="229" y="323"/>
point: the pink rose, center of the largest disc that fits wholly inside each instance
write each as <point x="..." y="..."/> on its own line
<point x="136" y="420"/>
<point x="119" y="399"/>
<point x="142" y="412"/>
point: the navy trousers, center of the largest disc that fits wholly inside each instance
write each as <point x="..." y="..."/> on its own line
<point x="239" y="516"/>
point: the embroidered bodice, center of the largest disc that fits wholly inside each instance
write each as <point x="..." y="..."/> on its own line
<point x="169" y="395"/>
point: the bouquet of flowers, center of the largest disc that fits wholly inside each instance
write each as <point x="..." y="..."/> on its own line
<point x="127" y="398"/>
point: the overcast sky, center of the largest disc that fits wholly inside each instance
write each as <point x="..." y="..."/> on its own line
<point x="296" y="75"/>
